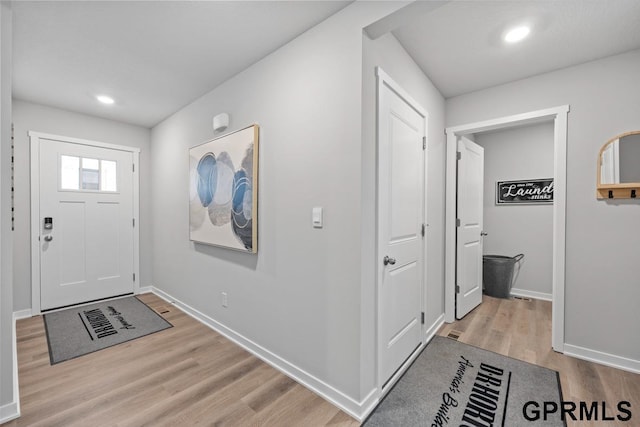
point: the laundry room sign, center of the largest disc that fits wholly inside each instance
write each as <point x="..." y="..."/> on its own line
<point x="524" y="192"/>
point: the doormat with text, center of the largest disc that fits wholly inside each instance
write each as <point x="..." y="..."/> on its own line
<point x="455" y="384"/>
<point x="77" y="331"/>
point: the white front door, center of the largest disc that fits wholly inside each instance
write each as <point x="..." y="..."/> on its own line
<point x="86" y="223"/>
<point x="469" y="235"/>
<point x="401" y="172"/>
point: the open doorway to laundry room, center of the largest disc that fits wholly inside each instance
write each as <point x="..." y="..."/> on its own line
<point x="496" y="132"/>
<point x="518" y="209"/>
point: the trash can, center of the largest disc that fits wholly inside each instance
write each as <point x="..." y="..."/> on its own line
<point x="497" y="274"/>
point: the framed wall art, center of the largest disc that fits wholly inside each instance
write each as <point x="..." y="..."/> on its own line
<point x="223" y="191"/>
<point x="531" y="191"/>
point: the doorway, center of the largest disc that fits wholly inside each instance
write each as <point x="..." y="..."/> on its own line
<point x="84" y="209"/>
<point x="401" y="243"/>
<point x="558" y="116"/>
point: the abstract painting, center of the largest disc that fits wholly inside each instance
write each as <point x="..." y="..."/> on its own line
<point x="223" y="191"/>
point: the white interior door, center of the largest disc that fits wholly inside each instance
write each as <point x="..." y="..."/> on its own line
<point x="469" y="235"/>
<point x="400" y="219"/>
<point x="86" y="223"/>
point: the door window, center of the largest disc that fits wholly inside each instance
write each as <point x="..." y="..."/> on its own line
<point x="87" y="174"/>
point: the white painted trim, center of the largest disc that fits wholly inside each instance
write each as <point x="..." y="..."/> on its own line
<point x="145" y="290"/>
<point x="35" y="223"/>
<point x="559" y="227"/>
<point x="394" y="379"/>
<point x="11" y="411"/>
<point x="383" y="79"/>
<point x="559" y="115"/>
<point x="80" y="141"/>
<point x="136" y="216"/>
<point x="531" y="294"/>
<point x="450" y="211"/>
<point x="328" y="392"/>
<point x="22" y="314"/>
<point x="606" y="359"/>
<point x="369" y="404"/>
<point x="35" y="139"/>
<point x="433" y="329"/>
<point x="510" y="121"/>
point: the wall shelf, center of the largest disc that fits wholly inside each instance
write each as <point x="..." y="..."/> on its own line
<point x="618" y="191"/>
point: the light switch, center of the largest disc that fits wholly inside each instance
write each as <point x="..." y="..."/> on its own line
<point x="316" y="217"/>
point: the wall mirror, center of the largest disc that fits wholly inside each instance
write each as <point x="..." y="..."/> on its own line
<point x="619" y="167"/>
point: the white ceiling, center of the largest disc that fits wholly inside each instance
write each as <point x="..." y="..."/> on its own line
<point x="152" y="57"/>
<point x="459" y="44"/>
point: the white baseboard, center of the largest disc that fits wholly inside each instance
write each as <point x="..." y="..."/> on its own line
<point x="606" y="359"/>
<point x="433" y="329"/>
<point x="146" y="289"/>
<point x="11" y="410"/>
<point x="531" y="294"/>
<point x="349" y="405"/>
<point x="22" y="314"/>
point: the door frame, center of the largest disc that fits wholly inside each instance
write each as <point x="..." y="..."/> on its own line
<point x="559" y="117"/>
<point x="385" y="80"/>
<point x="36" y="138"/>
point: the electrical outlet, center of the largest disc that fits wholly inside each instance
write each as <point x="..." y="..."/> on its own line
<point x="225" y="301"/>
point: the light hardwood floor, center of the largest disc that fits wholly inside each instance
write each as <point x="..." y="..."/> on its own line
<point x="190" y="375"/>
<point x="183" y="376"/>
<point x="522" y="330"/>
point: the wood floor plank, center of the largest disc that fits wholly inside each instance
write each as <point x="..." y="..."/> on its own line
<point x="191" y="375"/>
<point x="185" y="375"/>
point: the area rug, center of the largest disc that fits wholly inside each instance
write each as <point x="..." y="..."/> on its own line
<point x="455" y="384"/>
<point x="78" y="331"/>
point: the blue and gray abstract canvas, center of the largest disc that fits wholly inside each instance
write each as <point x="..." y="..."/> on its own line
<point x="222" y="197"/>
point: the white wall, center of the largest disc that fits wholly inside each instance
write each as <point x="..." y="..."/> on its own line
<point x="602" y="291"/>
<point x="8" y="399"/>
<point x="300" y="296"/>
<point x="34" y="117"/>
<point x="387" y="53"/>
<point x="518" y="154"/>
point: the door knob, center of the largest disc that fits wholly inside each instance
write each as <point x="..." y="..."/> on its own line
<point x="386" y="260"/>
<point x="48" y="238"/>
<point x="484" y="233"/>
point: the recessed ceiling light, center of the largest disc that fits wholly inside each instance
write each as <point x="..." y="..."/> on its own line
<point x="516" y="34"/>
<point x="105" y="99"/>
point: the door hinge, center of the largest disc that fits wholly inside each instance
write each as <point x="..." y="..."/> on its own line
<point x="422" y="317"/>
<point x="457" y="222"/>
<point x="424" y="142"/>
<point x="423" y="229"/>
<point x="457" y="289"/>
<point x="133" y="167"/>
<point x="134" y="222"/>
<point x="134" y="277"/>
<point x="459" y="155"/>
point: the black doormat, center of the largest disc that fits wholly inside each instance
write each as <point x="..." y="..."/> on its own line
<point x="77" y="331"/>
<point x="454" y="384"/>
